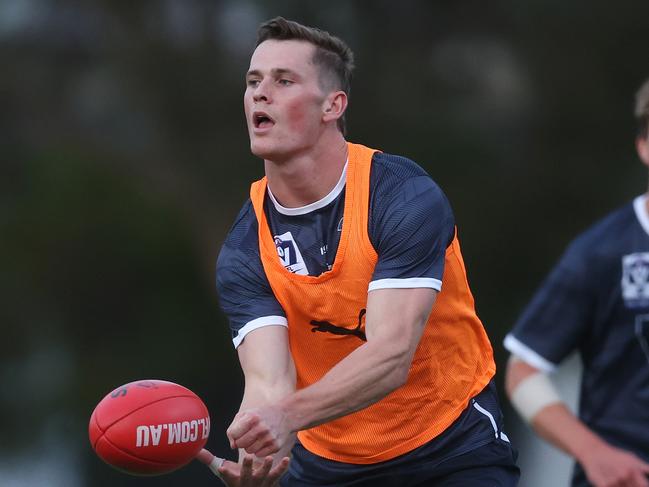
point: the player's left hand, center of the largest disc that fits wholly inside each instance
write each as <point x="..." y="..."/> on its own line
<point x="261" y="431"/>
<point x="608" y="466"/>
<point x="247" y="474"/>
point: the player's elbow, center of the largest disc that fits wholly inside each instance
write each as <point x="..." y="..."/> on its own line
<point x="509" y="378"/>
<point x="398" y="365"/>
<point x="517" y="371"/>
<point x="401" y="376"/>
<point x="391" y="357"/>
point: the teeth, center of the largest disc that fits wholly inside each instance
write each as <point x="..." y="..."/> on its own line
<point x="259" y="119"/>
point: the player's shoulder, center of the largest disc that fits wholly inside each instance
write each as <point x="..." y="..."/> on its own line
<point x="603" y="242"/>
<point x="391" y="173"/>
<point x="403" y="196"/>
<point x="608" y="236"/>
<point x="242" y="239"/>
<point x="244" y="223"/>
<point x="394" y="166"/>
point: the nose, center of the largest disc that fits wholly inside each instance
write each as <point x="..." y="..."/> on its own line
<point x="261" y="93"/>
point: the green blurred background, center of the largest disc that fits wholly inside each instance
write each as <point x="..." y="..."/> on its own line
<point x="124" y="160"/>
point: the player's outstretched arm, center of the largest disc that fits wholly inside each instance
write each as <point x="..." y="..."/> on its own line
<point x="269" y="377"/>
<point x="534" y="397"/>
<point x="395" y="321"/>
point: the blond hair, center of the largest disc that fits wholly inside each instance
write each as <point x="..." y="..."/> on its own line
<point x="641" y="111"/>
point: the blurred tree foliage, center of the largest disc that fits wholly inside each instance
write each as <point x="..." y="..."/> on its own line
<point x="124" y="160"/>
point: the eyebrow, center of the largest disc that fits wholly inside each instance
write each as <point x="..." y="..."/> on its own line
<point x="275" y="72"/>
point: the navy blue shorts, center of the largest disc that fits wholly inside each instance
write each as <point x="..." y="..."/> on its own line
<point x="473" y="451"/>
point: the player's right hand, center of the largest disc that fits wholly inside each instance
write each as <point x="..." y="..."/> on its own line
<point x="246" y="474"/>
<point x="612" y="467"/>
<point x="261" y="431"/>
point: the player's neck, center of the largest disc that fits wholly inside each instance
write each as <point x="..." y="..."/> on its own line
<point x="310" y="176"/>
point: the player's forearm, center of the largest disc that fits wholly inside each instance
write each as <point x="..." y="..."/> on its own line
<point x="364" y="377"/>
<point x="258" y="393"/>
<point x="261" y="392"/>
<point x="559" y="426"/>
<point x="535" y="398"/>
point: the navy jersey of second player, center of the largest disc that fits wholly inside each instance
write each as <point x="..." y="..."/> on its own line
<point x="596" y="301"/>
<point x="410" y="226"/>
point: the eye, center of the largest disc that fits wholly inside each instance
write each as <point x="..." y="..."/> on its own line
<point x="285" y="82"/>
<point x="252" y="82"/>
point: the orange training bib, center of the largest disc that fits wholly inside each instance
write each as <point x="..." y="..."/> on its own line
<point x="453" y="362"/>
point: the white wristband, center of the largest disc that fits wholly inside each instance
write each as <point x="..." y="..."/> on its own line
<point x="533" y="394"/>
<point x="214" y="466"/>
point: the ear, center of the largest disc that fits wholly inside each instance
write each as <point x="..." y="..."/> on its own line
<point x="334" y="106"/>
<point x="642" y="146"/>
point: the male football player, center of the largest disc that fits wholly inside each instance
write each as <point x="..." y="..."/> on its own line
<point x="595" y="301"/>
<point x="347" y="296"/>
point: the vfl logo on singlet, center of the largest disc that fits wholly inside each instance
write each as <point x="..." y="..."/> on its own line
<point x="326" y="327"/>
<point x="289" y="254"/>
<point x="635" y="280"/>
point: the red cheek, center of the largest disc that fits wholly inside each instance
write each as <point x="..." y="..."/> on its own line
<point x="296" y="115"/>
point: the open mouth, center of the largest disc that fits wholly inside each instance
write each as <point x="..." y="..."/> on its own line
<point x="261" y="120"/>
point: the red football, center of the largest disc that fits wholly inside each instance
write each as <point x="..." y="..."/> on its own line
<point x="149" y="427"/>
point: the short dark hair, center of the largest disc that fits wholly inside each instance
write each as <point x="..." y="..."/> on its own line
<point x="641" y="111"/>
<point x="332" y="55"/>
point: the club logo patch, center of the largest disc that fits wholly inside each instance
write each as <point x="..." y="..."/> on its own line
<point x="289" y="254"/>
<point x="635" y="280"/>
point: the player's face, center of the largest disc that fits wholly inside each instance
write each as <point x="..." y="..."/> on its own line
<point x="283" y="101"/>
<point x="642" y="145"/>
